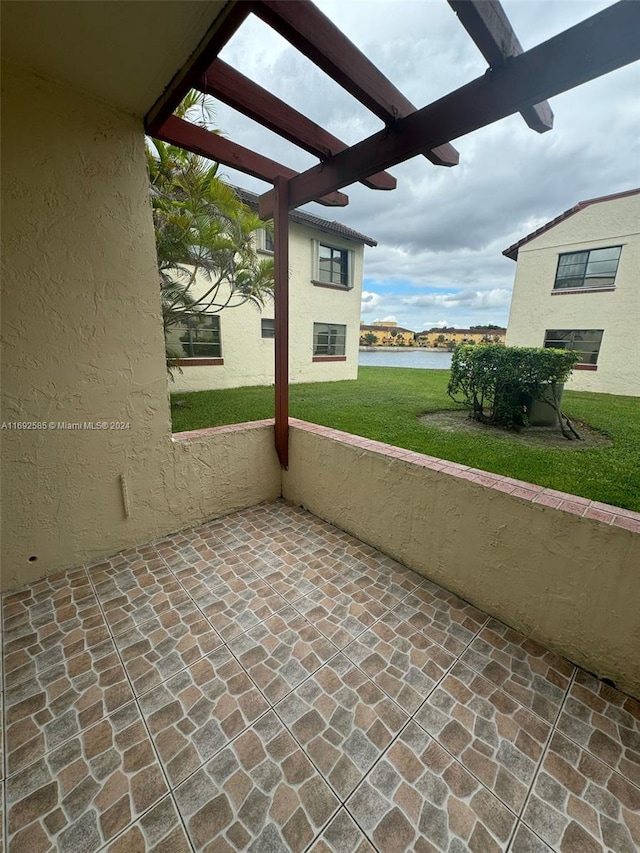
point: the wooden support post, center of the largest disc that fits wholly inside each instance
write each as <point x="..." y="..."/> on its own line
<point x="281" y="255"/>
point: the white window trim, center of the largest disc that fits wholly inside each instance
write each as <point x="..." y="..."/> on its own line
<point x="315" y="264"/>
<point x="261" y="245"/>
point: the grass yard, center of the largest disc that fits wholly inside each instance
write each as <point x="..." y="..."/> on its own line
<point x="385" y="404"/>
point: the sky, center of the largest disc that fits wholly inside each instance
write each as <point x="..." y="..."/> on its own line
<point x="441" y="233"/>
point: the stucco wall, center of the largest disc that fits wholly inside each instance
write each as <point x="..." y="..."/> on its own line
<point x="534" y="309"/>
<point x="82" y="342"/>
<point x="249" y="358"/>
<point x="571" y="583"/>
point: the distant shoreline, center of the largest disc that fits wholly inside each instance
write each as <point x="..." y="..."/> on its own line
<point x="405" y="349"/>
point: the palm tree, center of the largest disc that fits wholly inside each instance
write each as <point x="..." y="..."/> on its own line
<point x="204" y="233"/>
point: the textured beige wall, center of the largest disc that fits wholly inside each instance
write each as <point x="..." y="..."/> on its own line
<point x="249" y="359"/>
<point x="534" y="309"/>
<point x="82" y="342"/>
<point x="311" y="305"/>
<point x="569" y="582"/>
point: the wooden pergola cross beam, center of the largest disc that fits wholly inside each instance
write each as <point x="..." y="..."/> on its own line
<point x="234" y="89"/>
<point x="223" y="28"/>
<point x="515" y="82"/>
<point x="307" y="29"/>
<point x="199" y="140"/>
<point x="596" y="46"/>
<point x="489" y="27"/>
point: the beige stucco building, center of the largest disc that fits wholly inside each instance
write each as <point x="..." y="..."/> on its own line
<point x="325" y="288"/>
<point x="387" y="334"/>
<point x="443" y="337"/>
<point x="576" y="287"/>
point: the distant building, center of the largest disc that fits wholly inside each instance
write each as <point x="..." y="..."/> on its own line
<point x="235" y="347"/>
<point x="590" y="253"/>
<point x="449" y="337"/>
<point x="387" y="335"/>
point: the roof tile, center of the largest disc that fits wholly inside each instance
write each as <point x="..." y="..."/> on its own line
<point x="332" y="227"/>
<point x="512" y="251"/>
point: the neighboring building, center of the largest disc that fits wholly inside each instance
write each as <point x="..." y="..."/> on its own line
<point x="236" y="346"/>
<point x="447" y="337"/>
<point x="387" y="335"/>
<point x="590" y="253"/>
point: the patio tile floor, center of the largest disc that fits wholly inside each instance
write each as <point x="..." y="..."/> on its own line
<point x="265" y="682"/>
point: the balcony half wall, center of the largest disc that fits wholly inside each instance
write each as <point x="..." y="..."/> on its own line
<point x="558" y="568"/>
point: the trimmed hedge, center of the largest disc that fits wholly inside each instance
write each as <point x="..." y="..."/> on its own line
<point x="498" y="382"/>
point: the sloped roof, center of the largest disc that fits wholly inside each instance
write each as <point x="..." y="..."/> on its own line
<point x="512" y="251"/>
<point x="498" y="330"/>
<point x="312" y="221"/>
<point x="379" y="328"/>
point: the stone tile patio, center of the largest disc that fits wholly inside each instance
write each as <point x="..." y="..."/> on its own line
<point x="265" y="682"/>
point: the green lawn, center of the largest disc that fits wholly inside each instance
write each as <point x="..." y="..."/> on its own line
<point x="385" y="404"/>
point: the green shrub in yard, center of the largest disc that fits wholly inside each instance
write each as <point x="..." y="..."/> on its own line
<point x="498" y="382"/>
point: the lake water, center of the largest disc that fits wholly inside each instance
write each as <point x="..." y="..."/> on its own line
<point x="418" y="358"/>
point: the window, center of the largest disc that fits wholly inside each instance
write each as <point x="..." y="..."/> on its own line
<point x="333" y="265"/>
<point x="329" y="339"/>
<point x="268" y="328"/>
<point x="584" y="341"/>
<point x="196" y="336"/>
<point x="594" y="268"/>
<point x="264" y="240"/>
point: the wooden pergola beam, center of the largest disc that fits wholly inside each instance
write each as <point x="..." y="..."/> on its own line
<point x="237" y="91"/>
<point x="489" y="27"/>
<point x="225" y="25"/>
<point x="305" y="27"/>
<point x="596" y="46"/>
<point x="191" y="137"/>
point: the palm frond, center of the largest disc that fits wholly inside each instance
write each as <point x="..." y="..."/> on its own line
<point x="203" y="230"/>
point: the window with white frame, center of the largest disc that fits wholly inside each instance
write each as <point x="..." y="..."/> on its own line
<point x="268" y="328"/>
<point x="264" y="240"/>
<point x="332" y="265"/>
<point x="195" y="336"/>
<point x="591" y="268"/>
<point x="586" y="342"/>
<point x="329" y="339"/>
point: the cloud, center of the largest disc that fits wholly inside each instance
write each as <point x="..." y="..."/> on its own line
<point x="443" y="230"/>
<point x="390" y="319"/>
<point x="477" y="299"/>
<point x="370" y="301"/>
<point x="435" y="324"/>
